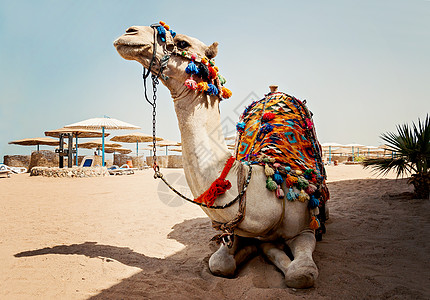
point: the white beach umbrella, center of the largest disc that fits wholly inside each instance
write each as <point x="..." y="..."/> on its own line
<point x="103" y="123"/>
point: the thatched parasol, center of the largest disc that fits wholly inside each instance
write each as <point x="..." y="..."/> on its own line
<point x="179" y="149"/>
<point x="136" y="137"/>
<point x="103" y="123"/>
<point x="330" y="146"/>
<point x="166" y="143"/>
<point x="81" y="133"/>
<point x="98" y="144"/>
<point x="356" y="146"/>
<point x="36" y="142"/>
<point x="117" y="149"/>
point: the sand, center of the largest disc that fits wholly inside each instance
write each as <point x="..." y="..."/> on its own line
<point x="126" y="237"/>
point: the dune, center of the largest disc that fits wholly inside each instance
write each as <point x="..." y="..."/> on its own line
<point x="128" y="237"/>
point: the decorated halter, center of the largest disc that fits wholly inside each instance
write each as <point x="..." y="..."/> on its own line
<point x="204" y="75"/>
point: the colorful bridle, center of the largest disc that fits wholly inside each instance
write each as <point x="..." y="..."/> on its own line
<point x="204" y="75"/>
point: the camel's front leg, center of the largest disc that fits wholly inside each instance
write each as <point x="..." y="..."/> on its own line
<point x="302" y="272"/>
<point x="225" y="260"/>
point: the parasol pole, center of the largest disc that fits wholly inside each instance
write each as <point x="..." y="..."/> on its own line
<point x="329" y="154"/>
<point x="37" y="148"/>
<point x="137" y="148"/>
<point x="103" y="146"/>
<point x="76" y="158"/>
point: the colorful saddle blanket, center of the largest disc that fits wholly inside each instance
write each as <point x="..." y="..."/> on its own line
<point x="277" y="132"/>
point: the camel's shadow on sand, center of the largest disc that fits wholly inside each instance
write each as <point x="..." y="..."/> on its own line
<point x="184" y="274"/>
<point x="352" y="258"/>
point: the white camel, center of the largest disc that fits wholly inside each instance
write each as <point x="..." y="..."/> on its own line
<point x="199" y="122"/>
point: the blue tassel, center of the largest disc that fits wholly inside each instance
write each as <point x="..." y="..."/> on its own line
<point x="212" y="90"/>
<point x="191" y="68"/>
<point x="162" y="33"/>
<point x="288" y="168"/>
<point x="240" y="126"/>
<point x="313" y="202"/>
<point x="291" y="196"/>
<point x="278" y="178"/>
<point x="172" y="33"/>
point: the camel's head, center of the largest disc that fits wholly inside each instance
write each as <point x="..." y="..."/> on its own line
<point x="190" y="64"/>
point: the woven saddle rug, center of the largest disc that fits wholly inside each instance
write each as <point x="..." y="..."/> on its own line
<point x="278" y="133"/>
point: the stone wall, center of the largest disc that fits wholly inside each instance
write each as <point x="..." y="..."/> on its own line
<point x="169" y="161"/>
<point x="120" y="159"/>
<point x="77" y="172"/>
<point x="139" y="162"/>
<point x="44" y="158"/>
<point x="17" y="160"/>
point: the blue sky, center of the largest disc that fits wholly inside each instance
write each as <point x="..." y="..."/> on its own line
<point x="363" y="66"/>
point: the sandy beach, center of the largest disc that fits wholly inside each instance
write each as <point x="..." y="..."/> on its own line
<point x="126" y="237"/>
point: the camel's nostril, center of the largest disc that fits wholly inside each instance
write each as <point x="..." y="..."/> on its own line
<point x="131" y="30"/>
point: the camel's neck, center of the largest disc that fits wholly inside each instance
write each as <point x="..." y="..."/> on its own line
<point x="204" y="150"/>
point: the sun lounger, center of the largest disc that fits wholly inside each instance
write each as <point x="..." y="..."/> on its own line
<point x="5" y="171"/>
<point x="123" y="170"/>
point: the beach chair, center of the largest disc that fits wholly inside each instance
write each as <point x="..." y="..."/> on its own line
<point x="87" y="162"/>
<point x="123" y="170"/>
<point x="5" y="171"/>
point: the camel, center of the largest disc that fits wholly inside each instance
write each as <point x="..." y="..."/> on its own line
<point x="273" y="224"/>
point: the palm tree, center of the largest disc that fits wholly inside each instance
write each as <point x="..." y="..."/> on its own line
<point x="411" y="146"/>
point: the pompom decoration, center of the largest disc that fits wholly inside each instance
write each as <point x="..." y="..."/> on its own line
<point x="191" y="68"/>
<point x="204" y="60"/>
<point x="266" y="128"/>
<point x="309" y="123"/>
<point x="291" y="196"/>
<point x="313" y="202"/>
<point x="225" y="93"/>
<point x="279" y="192"/>
<point x="216" y="69"/>
<point x="315" y="211"/>
<point x="222" y="80"/>
<point x="270" y="184"/>
<point x="311" y="189"/>
<point x="288" y="169"/>
<point x="162" y="23"/>
<point x="278" y="178"/>
<point x="203" y="71"/>
<point x="172" y="33"/>
<point x="202" y="86"/>
<point x="303" y="196"/>
<point x="302" y="183"/>
<point x="240" y="126"/>
<point x="166" y="27"/>
<point x="212" y="90"/>
<point x="212" y="73"/>
<point x="315" y="224"/>
<point x="277" y="165"/>
<point x="298" y="172"/>
<point x="162" y="33"/>
<point x="268" y="117"/>
<point x="268" y="170"/>
<point x="191" y="84"/>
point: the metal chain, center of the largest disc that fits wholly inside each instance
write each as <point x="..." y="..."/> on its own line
<point x="154" y="120"/>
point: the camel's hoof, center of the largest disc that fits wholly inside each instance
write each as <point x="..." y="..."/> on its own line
<point x="222" y="264"/>
<point x="301" y="275"/>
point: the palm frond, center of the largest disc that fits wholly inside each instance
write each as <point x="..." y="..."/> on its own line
<point x="384" y="165"/>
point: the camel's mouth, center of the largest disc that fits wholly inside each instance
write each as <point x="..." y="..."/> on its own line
<point x="129" y="49"/>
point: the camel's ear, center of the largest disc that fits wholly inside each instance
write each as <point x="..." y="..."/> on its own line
<point x="212" y="50"/>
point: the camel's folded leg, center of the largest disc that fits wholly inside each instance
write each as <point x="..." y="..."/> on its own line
<point x="302" y="272"/>
<point x="225" y="260"/>
<point x="276" y="256"/>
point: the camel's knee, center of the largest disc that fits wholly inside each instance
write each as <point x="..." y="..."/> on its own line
<point x="222" y="262"/>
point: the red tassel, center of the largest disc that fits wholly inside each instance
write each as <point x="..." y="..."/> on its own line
<point x="218" y="187"/>
<point x="212" y="73"/>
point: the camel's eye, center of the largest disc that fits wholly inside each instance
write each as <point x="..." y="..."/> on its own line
<point x="182" y="44"/>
